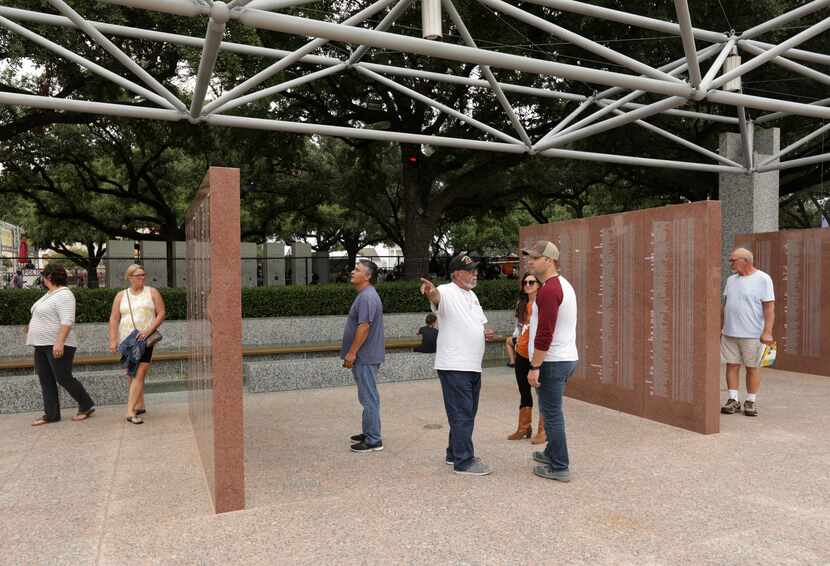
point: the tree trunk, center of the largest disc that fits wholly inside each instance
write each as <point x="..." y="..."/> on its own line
<point x="171" y="262"/>
<point x="352" y="247"/>
<point x="418" y="225"/>
<point x="352" y="242"/>
<point x="92" y="272"/>
<point x="416" y="249"/>
<point x="93" y="261"/>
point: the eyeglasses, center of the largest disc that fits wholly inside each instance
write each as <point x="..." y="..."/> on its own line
<point x="734" y="259"/>
<point x="528" y="283"/>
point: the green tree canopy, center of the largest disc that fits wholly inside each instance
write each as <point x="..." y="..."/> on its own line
<point x="134" y="179"/>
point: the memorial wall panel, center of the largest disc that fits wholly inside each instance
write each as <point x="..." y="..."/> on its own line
<point x="214" y="335"/>
<point x="799" y="263"/>
<point x="647" y="285"/>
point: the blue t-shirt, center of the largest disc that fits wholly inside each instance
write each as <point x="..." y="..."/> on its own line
<point x="367" y="307"/>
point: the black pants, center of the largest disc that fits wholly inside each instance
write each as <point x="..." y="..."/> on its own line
<point x="53" y="371"/>
<point x="522" y="368"/>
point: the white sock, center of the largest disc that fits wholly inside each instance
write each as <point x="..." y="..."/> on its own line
<point x="750" y="397"/>
<point x="733" y="394"/>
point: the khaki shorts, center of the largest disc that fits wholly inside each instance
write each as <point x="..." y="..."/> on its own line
<point x="743" y="351"/>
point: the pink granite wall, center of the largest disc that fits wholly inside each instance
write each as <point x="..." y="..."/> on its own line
<point x="648" y="288"/>
<point x="215" y="335"/>
<point x="799" y="263"/>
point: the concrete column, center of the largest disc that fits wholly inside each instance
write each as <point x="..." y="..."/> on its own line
<point x="154" y="260"/>
<point x="119" y="256"/>
<point x="320" y="266"/>
<point x="300" y="263"/>
<point x="274" y="263"/>
<point x="248" y="251"/>
<point x="749" y="203"/>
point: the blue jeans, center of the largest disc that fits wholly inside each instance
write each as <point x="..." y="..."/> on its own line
<point x="553" y="377"/>
<point x="365" y="375"/>
<point x="461" y="390"/>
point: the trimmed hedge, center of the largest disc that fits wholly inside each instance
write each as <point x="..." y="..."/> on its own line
<point x="93" y="305"/>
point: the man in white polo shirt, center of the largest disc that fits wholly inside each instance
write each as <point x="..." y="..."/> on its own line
<point x="458" y="358"/>
<point x="748" y="318"/>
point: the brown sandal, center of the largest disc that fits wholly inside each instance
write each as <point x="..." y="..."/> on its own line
<point x="41" y="421"/>
<point x="83" y="415"/>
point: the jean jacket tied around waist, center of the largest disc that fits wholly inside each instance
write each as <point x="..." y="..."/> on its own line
<point x="131" y="350"/>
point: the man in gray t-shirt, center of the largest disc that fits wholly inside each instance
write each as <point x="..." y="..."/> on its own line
<point x="362" y="351"/>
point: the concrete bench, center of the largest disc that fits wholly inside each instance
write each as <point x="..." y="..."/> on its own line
<point x="265" y="368"/>
<point x="21" y="394"/>
<point x="311" y="373"/>
<point x="27" y="363"/>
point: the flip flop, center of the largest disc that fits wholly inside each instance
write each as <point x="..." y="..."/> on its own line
<point x="41" y="421"/>
<point x="83" y="415"/>
<point x="135" y="420"/>
<point x="140" y="411"/>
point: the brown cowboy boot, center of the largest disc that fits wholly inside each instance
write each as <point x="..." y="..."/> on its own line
<point x="525" y="427"/>
<point x="540" y="437"/>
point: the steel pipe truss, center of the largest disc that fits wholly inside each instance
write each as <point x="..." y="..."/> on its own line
<point x="675" y="85"/>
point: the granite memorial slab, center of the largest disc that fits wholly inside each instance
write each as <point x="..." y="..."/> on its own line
<point x="214" y="305"/>
<point x="647" y="284"/>
<point x="799" y="263"/>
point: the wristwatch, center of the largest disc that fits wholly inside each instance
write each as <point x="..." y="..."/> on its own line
<point x="536" y="367"/>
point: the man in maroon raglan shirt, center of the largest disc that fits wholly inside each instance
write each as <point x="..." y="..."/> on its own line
<point x="553" y="354"/>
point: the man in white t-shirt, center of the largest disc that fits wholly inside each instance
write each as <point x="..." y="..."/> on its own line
<point x="458" y="358"/>
<point x="553" y="354"/>
<point x="748" y="316"/>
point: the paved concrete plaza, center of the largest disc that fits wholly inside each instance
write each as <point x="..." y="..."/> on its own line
<point x="107" y="492"/>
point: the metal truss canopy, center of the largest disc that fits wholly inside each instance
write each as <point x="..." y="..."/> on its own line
<point x="678" y="83"/>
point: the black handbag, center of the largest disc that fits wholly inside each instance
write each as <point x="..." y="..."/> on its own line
<point x="153" y="338"/>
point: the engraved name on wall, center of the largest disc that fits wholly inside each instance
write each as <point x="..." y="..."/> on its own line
<point x="671" y="336"/>
<point x="616" y="305"/>
<point x="573" y="265"/>
<point x="802" y="283"/>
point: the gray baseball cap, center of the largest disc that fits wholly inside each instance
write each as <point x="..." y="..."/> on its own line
<point x="542" y="248"/>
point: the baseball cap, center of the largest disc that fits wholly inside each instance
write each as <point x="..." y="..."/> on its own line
<point x="462" y="262"/>
<point x="542" y="248"/>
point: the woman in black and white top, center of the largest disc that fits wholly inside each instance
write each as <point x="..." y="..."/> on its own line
<point x="50" y="332"/>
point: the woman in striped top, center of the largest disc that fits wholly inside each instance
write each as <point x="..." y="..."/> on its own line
<point x="50" y="332"/>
